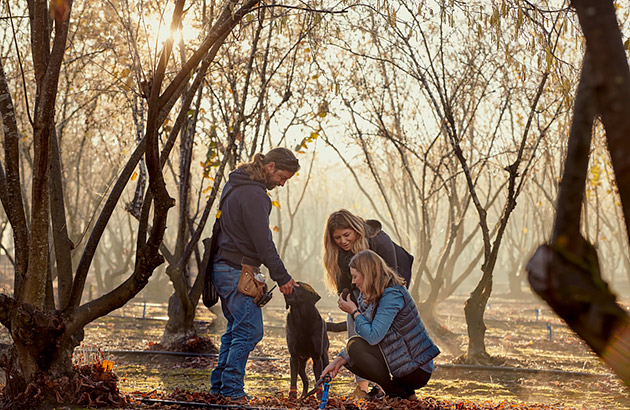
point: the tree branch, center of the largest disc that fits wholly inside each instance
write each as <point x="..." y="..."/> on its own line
<point x="61" y="241"/>
<point x="14" y="206"/>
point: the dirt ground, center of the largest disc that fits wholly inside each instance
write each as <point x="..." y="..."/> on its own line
<point x="545" y="363"/>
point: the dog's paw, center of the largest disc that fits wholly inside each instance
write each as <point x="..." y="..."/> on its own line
<point x="320" y="393"/>
<point x="293" y="393"/>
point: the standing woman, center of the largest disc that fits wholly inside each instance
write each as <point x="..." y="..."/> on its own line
<point x="347" y="234"/>
<point x="392" y="347"/>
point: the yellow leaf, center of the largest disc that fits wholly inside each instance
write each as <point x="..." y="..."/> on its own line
<point x="595" y="174"/>
<point x="525" y="230"/>
<point x="276" y="204"/>
<point x="134" y="176"/>
<point x="275" y="228"/>
<point x="128" y="84"/>
<point x="108" y="365"/>
<point x="218" y="214"/>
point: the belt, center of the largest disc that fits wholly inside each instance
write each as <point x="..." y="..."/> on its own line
<point x="237" y="258"/>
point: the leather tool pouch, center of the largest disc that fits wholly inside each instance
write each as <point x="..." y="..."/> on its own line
<point x="248" y="285"/>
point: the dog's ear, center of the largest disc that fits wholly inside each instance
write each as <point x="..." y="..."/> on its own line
<point x="312" y="295"/>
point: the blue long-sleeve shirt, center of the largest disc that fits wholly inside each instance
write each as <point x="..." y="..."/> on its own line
<point x="373" y="332"/>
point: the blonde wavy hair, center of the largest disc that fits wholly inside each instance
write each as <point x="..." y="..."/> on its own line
<point x="376" y="274"/>
<point x="341" y="219"/>
<point x="282" y="157"/>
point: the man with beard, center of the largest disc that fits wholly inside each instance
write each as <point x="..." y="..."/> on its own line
<point x="244" y="243"/>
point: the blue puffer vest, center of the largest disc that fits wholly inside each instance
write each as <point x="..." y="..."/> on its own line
<point x="406" y="346"/>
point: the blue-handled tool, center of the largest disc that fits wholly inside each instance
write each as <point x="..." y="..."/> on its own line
<point x="325" y="391"/>
<point x="318" y="383"/>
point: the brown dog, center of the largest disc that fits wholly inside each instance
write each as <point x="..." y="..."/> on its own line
<point x="306" y="336"/>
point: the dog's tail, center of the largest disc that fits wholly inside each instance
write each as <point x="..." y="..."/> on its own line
<point x="336" y="326"/>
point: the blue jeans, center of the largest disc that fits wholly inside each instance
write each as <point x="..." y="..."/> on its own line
<point x="244" y="330"/>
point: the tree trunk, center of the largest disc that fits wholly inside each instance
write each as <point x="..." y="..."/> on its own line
<point x="40" y="367"/>
<point x="35" y="284"/>
<point x="515" y="280"/>
<point x="43" y="349"/>
<point x="180" y="325"/>
<point x="566" y="272"/>
<point x="474" y="310"/>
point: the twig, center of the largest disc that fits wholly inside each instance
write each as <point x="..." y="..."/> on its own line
<point x="208" y="405"/>
<point x="17" y="52"/>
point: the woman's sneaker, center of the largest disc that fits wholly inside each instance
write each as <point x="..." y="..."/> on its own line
<point x="375" y="394"/>
<point x="359" y="393"/>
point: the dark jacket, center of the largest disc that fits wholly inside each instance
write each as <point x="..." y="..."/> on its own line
<point x="245" y="226"/>
<point x="393" y="322"/>
<point x="379" y="242"/>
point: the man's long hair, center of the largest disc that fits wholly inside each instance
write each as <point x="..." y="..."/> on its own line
<point x="376" y="274"/>
<point x="282" y="157"/>
<point x="341" y="219"/>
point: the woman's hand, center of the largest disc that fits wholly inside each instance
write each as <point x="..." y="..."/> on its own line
<point x="347" y="305"/>
<point x="333" y="368"/>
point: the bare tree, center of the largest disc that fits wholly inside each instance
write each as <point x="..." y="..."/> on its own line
<point x="471" y="102"/>
<point x="566" y="272"/>
<point x="244" y="96"/>
<point x="45" y="331"/>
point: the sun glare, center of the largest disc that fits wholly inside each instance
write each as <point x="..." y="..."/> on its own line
<point x="158" y="31"/>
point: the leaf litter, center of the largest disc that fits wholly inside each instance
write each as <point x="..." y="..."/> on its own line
<point x="513" y="336"/>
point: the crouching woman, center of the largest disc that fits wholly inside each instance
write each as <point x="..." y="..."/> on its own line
<point x="392" y="347"/>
